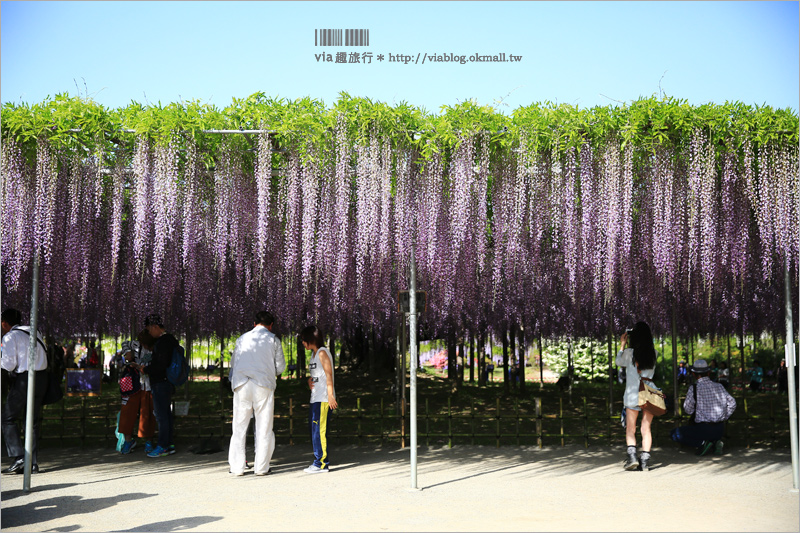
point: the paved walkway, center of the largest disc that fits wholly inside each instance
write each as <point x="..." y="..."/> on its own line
<point x="466" y="488"/>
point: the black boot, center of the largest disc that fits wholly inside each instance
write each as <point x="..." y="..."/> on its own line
<point x="631" y="463"/>
<point x="644" y="461"/>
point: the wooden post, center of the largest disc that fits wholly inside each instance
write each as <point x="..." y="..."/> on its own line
<point x="585" y="424"/>
<point x="472" y="420"/>
<point x="449" y="424"/>
<point x="498" y="422"/>
<point x="403" y="422"/>
<point x="538" y="408"/>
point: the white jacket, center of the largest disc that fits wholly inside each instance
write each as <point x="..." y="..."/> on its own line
<point x="257" y="356"/>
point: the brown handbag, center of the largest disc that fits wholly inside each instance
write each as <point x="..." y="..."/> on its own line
<point x="651" y="399"/>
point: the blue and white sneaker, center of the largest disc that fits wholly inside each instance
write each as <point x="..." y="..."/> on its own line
<point x="128" y="447"/>
<point x="148" y="447"/>
<point x="158" y="452"/>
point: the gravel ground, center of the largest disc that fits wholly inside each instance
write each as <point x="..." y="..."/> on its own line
<point x="466" y="488"/>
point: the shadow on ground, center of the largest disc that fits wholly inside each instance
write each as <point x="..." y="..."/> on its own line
<point x="52" y="508"/>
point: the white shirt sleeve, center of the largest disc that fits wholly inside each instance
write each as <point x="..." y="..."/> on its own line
<point x="8" y="361"/>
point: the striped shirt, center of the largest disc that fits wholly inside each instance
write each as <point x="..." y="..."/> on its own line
<point x="714" y="404"/>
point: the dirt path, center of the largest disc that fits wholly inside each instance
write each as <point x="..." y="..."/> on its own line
<point x="466" y="488"/>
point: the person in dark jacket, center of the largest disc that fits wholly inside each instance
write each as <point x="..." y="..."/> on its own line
<point x="162" y="388"/>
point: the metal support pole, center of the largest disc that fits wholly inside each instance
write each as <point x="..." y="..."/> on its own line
<point x="31" y="406"/>
<point x="790" y="366"/>
<point x="412" y="326"/>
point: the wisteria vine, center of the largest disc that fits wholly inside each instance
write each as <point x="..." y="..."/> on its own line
<point x="577" y="236"/>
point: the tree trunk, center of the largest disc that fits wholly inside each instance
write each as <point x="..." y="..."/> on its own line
<point x="505" y="361"/>
<point x="372" y="353"/>
<point x="471" y="357"/>
<point x="451" y="356"/>
<point x="301" y="358"/>
<point x="541" y="362"/>
<point x="332" y="348"/>
<point x="611" y="377"/>
<point x="188" y="354"/>
<point x="481" y="359"/>
<point x="741" y="347"/>
<point x="398" y="369"/>
<point x="512" y="335"/>
<point x="463" y="356"/>
<point x="521" y="366"/>
<point x="221" y="354"/>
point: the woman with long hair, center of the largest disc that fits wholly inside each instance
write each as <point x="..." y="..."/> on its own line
<point x="638" y="356"/>
<point x="323" y="396"/>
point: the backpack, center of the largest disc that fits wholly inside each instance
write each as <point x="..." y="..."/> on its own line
<point x="129" y="382"/>
<point x="178" y="370"/>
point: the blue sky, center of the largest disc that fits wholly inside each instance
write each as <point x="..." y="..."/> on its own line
<point x="582" y="53"/>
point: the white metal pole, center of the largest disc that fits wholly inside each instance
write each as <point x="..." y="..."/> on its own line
<point x="412" y="326"/>
<point x="30" y="410"/>
<point x="790" y="366"/>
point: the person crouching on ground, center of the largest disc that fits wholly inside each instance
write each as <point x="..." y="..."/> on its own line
<point x="256" y="362"/>
<point x="711" y="405"/>
<point x="639" y="361"/>
<point x="323" y="396"/>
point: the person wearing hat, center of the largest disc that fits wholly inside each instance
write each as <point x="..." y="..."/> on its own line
<point x="163" y="390"/>
<point x="711" y="406"/>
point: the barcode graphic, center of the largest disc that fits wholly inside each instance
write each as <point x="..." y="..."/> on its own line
<point x="333" y="37"/>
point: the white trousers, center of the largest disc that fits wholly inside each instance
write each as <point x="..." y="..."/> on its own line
<point x="248" y="400"/>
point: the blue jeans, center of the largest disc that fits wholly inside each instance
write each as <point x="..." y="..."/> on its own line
<point x="162" y="401"/>
<point x="694" y="434"/>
